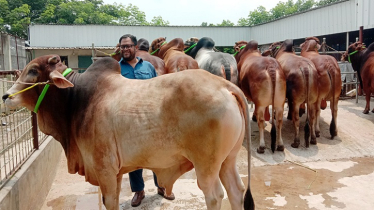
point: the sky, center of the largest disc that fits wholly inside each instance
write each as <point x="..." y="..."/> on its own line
<point x="194" y="12"/>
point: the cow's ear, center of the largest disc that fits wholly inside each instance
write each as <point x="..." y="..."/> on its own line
<point x="59" y="80"/>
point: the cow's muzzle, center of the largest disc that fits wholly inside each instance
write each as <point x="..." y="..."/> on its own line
<point x="5" y="97"/>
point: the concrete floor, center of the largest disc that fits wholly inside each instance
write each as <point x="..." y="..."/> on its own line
<point x="334" y="174"/>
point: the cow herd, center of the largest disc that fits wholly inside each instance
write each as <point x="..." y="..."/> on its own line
<point x="109" y="125"/>
<point x="277" y="75"/>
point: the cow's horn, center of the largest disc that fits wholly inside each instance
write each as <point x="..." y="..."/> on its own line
<point x="52" y="60"/>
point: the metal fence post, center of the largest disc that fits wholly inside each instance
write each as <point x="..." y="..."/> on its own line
<point x="35" y="136"/>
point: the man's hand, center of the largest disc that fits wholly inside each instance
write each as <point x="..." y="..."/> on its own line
<point x="117" y="55"/>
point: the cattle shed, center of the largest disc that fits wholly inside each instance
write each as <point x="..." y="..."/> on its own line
<point x="338" y="23"/>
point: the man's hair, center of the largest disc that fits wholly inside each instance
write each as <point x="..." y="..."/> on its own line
<point x="132" y="37"/>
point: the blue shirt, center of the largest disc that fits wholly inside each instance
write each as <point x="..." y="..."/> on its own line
<point x="143" y="69"/>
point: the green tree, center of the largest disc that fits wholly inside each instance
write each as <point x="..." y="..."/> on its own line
<point x="325" y="2"/>
<point x="158" y="21"/>
<point x="18" y="20"/>
<point x="16" y="15"/>
<point x="303" y="5"/>
<point x="226" y="23"/>
<point x="204" y="24"/>
<point x="258" y="16"/>
<point x="243" y="22"/>
<point x="132" y="16"/>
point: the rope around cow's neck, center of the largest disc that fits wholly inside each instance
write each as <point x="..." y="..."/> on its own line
<point x="192" y="46"/>
<point x="158" y="48"/>
<point x="352" y="53"/>
<point x="239" y="50"/>
<point x="41" y="97"/>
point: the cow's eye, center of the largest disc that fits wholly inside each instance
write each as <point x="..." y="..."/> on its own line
<point x="33" y="72"/>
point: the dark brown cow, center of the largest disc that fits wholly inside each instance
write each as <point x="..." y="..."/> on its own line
<point x="109" y="125"/>
<point x="302" y="87"/>
<point x="362" y="60"/>
<point x="158" y="63"/>
<point x="263" y="82"/>
<point x="173" y="55"/>
<point x="329" y="81"/>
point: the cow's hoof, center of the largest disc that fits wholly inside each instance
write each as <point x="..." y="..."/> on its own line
<point x="261" y="150"/>
<point x="313" y="141"/>
<point x="280" y="148"/>
<point x="318" y="133"/>
<point x="372" y="110"/>
<point x="295" y="144"/>
<point x="254" y="118"/>
<point x="366" y="111"/>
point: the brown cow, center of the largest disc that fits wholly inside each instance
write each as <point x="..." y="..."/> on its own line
<point x="363" y="62"/>
<point x="329" y="81"/>
<point x="108" y="124"/>
<point x="263" y="82"/>
<point x="302" y="87"/>
<point x="142" y="51"/>
<point x="173" y="55"/>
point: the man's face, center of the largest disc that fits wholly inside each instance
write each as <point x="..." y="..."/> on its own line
<point x="128" y="49"/>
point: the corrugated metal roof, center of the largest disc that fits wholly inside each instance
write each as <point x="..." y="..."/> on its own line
<point x="343" y="16"/>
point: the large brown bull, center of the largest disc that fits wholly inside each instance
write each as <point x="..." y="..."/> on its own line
<point x="302" y="87"/>
<point x="109" y="125"/>
<point x="362" y="60"/>
<point x="329" y="81"/>
<point x="263" y="82"/>
<point x="173" y="55"/>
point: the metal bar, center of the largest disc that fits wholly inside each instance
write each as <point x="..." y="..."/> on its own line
<point x="356" y="88"/>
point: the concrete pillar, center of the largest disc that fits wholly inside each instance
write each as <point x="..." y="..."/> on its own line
<point x="7" y="53"/>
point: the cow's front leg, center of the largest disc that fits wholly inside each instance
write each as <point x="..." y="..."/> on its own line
<point x="110" y="190"/>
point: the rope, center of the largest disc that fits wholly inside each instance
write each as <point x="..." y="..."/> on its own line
<point x="239" y="50"/>
<point x="35" y="84"/>
<point x="26" y="83"/>
<point x="158" y="48"/>
<point x="306" y="168"/>
<point x="108" y="54"/>
<point x="192" y="46"/>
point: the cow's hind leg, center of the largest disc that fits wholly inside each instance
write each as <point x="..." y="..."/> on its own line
<point x="367" y="97"/>
<point x="231" y="181"/>
<point x="296" y="123"/>
<point x="318" y="113"/>
<point x="209" y="183"/>
<point x="279" y="123"/>
<point x="261" y="128"/>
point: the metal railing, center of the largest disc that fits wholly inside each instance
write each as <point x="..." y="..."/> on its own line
<point x="20" y="135"/>
<point x="349" y="77"/>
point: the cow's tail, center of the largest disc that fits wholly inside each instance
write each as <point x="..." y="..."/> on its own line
<point x="306" y="73"/>
<point x="227" y="67"/>
<point x="272" y="70"/>
<point x="331" y="71"/>
<point x="248" y="198"/>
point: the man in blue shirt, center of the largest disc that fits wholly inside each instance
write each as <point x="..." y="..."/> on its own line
<point x="136" y="68"/>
